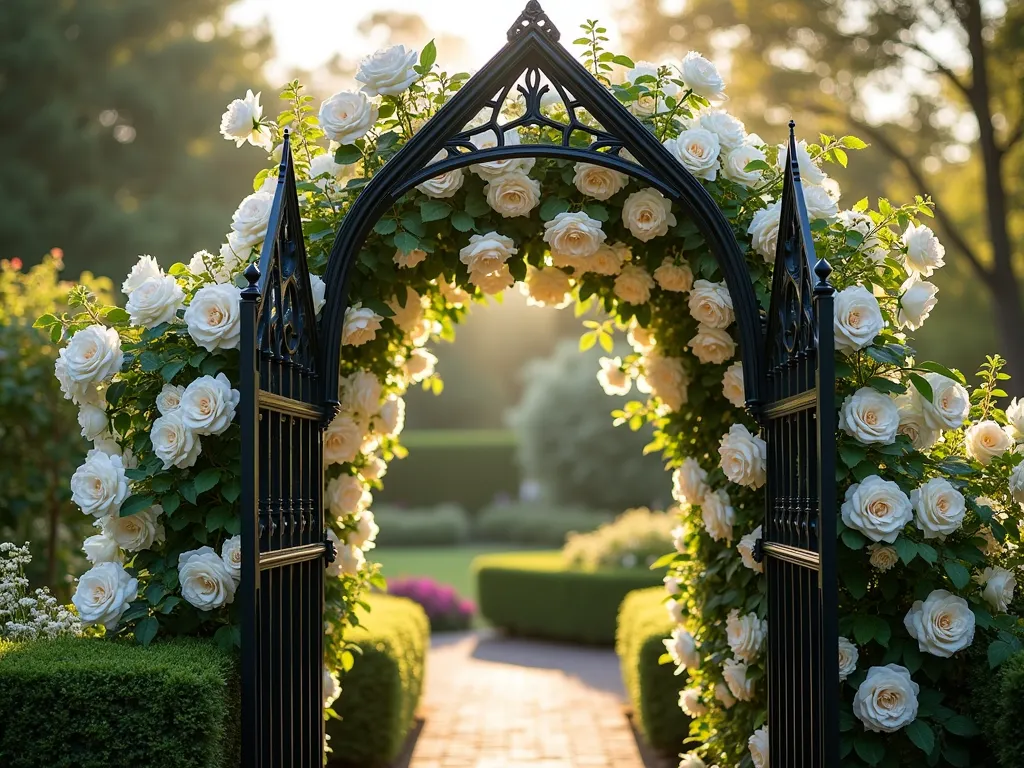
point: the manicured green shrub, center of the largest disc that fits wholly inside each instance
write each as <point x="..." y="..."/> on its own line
<point x="89" y="703"/>
<point x="535" y="594"/>
<point x="444" y="524"/>
<point x="380" y="694"/>
<point x="465" y="467"/>
<point x="653" y="688"/>
<point x="998" y="711"/>
<point x="538" y="523"/>
<point x="635" y="539"/>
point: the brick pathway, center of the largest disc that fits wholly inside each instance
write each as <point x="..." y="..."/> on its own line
<point x="495" y="702"/>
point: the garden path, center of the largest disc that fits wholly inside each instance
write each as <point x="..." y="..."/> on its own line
<point x="497" y="702"/>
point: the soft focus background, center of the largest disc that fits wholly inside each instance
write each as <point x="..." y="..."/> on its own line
<point x="109" y="112"/>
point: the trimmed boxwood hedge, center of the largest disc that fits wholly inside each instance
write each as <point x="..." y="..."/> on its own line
<point x="998" y="710"/>
<point x="653" y="688"/>
<point x="380" y="694"/>
<point x="535" y="594"/>
<point x="90" y="703"/>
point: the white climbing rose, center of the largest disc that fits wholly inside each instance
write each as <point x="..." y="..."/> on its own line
<point x="156" y="301"/>
<point x="882" y="557"/>
<point x="250" y="220"/>
<point x="360" y="394"/>
<point x="231" y="554"/>
<point x="870" y="416"/>
<point x="950" y="403"/>
<point x="136" y="532"/>
<point x="711" y="304"/>
<point x="740" y="685"/>
<point x="810" y="173"/>
<point x="998" y="585"/>
<point x="676" y="610"/>
<point x="91" y="359"/>
<point x="318" y="292"/>
<point x="350" y="560"/>
<point x="871" y="244"/>
<point x="214" y="318"/>
<point x="702" y="77"/>
<point x="940" y="508"/>
<point x="647" y="214"/>
<point x="923" y="251"/>
<point x="917" y="300"/>
<point x="745" y="634"/>
<point x="101" y="549"/>
<point x="512" y="194"/>
<point x="360" y="325"/>
<point x="673" y="276"/>
<point x="597" y="181"/>
<point x="848" y="657"/>
<point x="346" y="495"/>
<point x="757" y="744"/>
<point x="206" y="581"/>
<point x="821" y="203"/>
<point x="666" y="379"/>
<point x="732" y="385"/>
<point x="887" y="699"/>
<point x="99" y="486"/>
<point x="444" y="185"/>
<point x="697" y="150"/>
<point x="764" y="230"/>
<point x="407" y="317"/>
<point x="682" y="647"/>
<point x="365" y="534"/>
<point x="691" y="759"/>
<point x="729" y="129"/>
<point x="743" y="457"/>
<point x="173" y="443"/>
<point x="913" y="424"/>
<point x="208" y="405"/>
<point x="712" y="345"/>
<point x="689" y="482"/>
<point x="389" y="71"/>
<point x="691" y="703"/>
<point x="487" y="253"/>
<point x="942" y="624"/>
<point x="717" y="512"/>
<point x="242" y="121"/>
<point x="103" y="594"/>
<point x="346" y="117"/>
<point x="169" y="398"/>
<point x="723" y="695"/>
<point x="574" y="233"/>
<point x="672" y="585"/>
<point x="145" y="268"/>
<point x="986" y="440"/>
<point x="93" y="421"/>
<point x="547" y="287"/>
<point x="877" y="508"/>
<point x="858" y="318"/>
<point x="633" y="284"/>
<point x="746" y="549"/>
<point x="613" y="380"/>
<point x="493" y="168"/>
<point x="343" y="438"/>
<point x="735" y="162"/>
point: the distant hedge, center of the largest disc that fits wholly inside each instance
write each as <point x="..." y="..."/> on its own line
<point x="534" y="594"/>
<point x="653" y="688"/>
<point x="380" y="694"/>
<point x="539" y="523"/>
<point x="465" y="467"/>
<point x="441" y="525"/>
<point x="90" y="703"/>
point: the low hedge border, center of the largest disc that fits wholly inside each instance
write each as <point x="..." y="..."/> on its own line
<point x="535" y="594"/>
<point x="90" y="703"/>
<point x="653" y="688"/>
<point x="379" y="695"/>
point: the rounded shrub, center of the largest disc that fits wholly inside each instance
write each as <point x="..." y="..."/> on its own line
<point x="635" y="539"/>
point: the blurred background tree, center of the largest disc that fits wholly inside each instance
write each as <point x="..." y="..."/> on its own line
<point x="40" y="442"/>
<point x="108" y="117"/>
<point x="934" y="85"/>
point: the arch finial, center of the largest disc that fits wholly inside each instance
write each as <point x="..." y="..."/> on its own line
<point x="794" y="160"/>
<point x="533" y="17"/>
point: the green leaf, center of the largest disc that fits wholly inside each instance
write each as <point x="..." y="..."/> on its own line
<point x="146" y="630"/>
<point x="347" y="154"/>
<point x="155" y="592"/>
<point x="406" y="242"/>
<point x="906" y="549"/>
<point x="170" y="503"/>
<point x="114" y="392"/>
<point x="434" y="210"/>
<point x="851" y="454"/>
<point x="921" y="385"/>
<point x="943" y="371"/>
<point x="869" y="750"/>
<point x="552" y="207"/>
<point x="188" y="492"/>
<point x="172" y="369"/>
<point x="852" y="142"/>
<point x="385" y="226"/>
<point x="998" y="652"/>
<point x="961" y="726"/>
<point x="922" y="735"/>
<point x="462" y="221"/>
<point x="150" y="361"/>
<point x="596" y="211"/>
<point x="154" y="333"/>
<point x="45" y="321"/>
<point x="959" y="575"/>
<point x="231" y="490"/>
<point x="927" y="552"/>
<point x="116" y="315"/>
<point x="853" y="539"/>
<point x="623" y="61"/>
<point x="428" y="56"/>
<point x="135" y="504"/>
<point x="206" y="480"/>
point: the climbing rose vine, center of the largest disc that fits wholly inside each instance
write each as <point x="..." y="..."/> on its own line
<point x="928" y="476"/>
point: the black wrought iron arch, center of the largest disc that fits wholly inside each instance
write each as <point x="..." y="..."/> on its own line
<point x="533" y="49"/>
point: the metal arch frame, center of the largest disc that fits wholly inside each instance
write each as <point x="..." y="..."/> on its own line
<point x="533" y="45"/>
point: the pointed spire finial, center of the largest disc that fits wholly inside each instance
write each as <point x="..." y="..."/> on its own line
<point x="533" y="18"/>
<point x="794" y="159"/>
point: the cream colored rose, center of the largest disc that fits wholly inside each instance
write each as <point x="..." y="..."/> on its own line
<point x="169" y="398"/>
<point x="574" y="234"/>
<point x="91" y="359"/>
<point x="392" y="417"/>
<point x="718" y="515"/>
<point x="871" y="245"/>
<point x="350" y="560"/>
<point x="613" y="380"/>
<point x="1017" y="483"/>
<point x="666" y="379"/>
<point x="408" y="260"/>
<point x="360" y="394"/>
<point x="757" y="744"/>
<point x="343" y="438"/>
<point x="331" y="686"/>
<point x="848" y="657"/>
<point x="512" y="194"/>
<point x="917" y="301"/>
<point x="144" y="269"/>
<point x="810" y="173"/>
<point x="214" y="318"/>
<point x="820" y="202"/>
<point x="206" y="581"/>
<point x="646" y="104"/>
<point x="732" y="385"/>
<point x="606" y="260"/>
<point x="711" y="304"/>
<point x="208" y="405"/>
<point x="712" y="345"/>
<point x="547" y="287"/>
<point x="913" y="424"/>
<point x="746" y="549"/>
<point x="173" y="443"/>
<point x="676" y="611"/>
<point x="986" y="440"/>
<point x="923" y="253"/>
<point x="697" y="150"/>
<point x="647" y="214"/>
<point x="858" y="318"/>
<point x="870" y="416"/>
<point x="679" y="536"/>
<point x="249" y="221"/>
<point x="745" y="634"/>
<point x="154" y="302"/>
<point x="950" y="403"/>
<point x="764" y="231"/>
<point x="360" y="326"/>
<point x="724" y="696"/>
<point x="492" y="283"/>
<point x="231" y="554"/>
<point x="691" y="760"/>
<point x="689" y="482"/>
<point x="998" y="584"/>
<point x="640" y="339"/>
<point x="877" y="508"/>
<point x="1015" y="419"/>
<point x="702" y="77"/>
<point x="346" y="117"/>
<point x="136" y="532"/>
<point x="452" y="293"/>
<point x="729" y="130"/>
<point x="324" y="172"/>
<point x="672" y="585"/>
<point x="597" y="181"/>
<point x="633" y="285"/>
<point x="692" y="705"/>
<point x="242" y="121"/>
<point x="93" y="421"/>
<point x="942" y="624"/>
<point x="743" y="457"/>
<point x="940" y="508"/>
<point x="734" y="672"/>
<point x="682" y="647"/>
<point x="99" y="485"/>
<point x="420" y="365"/>
<point x="103" y="594"/>
<point x="735" y="162"/>
<point x="346" y="495"/>
<point x="445" y="185"/>
<point x="487" y="253"/>
<point x="882" y="557"/>
<point x="365" y="534"/>
<point x="674" y="277"/>
<point x="373" y="469"/>
<point x="407" y="315"/>
<point x="389" y="71"/>
<point x="887" y="699"/>
<point x="495" y="168"/>
<point x="101" y="549"/>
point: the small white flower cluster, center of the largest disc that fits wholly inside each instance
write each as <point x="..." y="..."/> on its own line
<point x="25" y="616"/>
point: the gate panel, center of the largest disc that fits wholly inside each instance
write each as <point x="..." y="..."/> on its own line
<point x="799" y="532"/>
<point x="283" y="536"/>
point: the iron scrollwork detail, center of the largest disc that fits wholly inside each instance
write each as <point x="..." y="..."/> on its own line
<point x="533" y="17"/>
